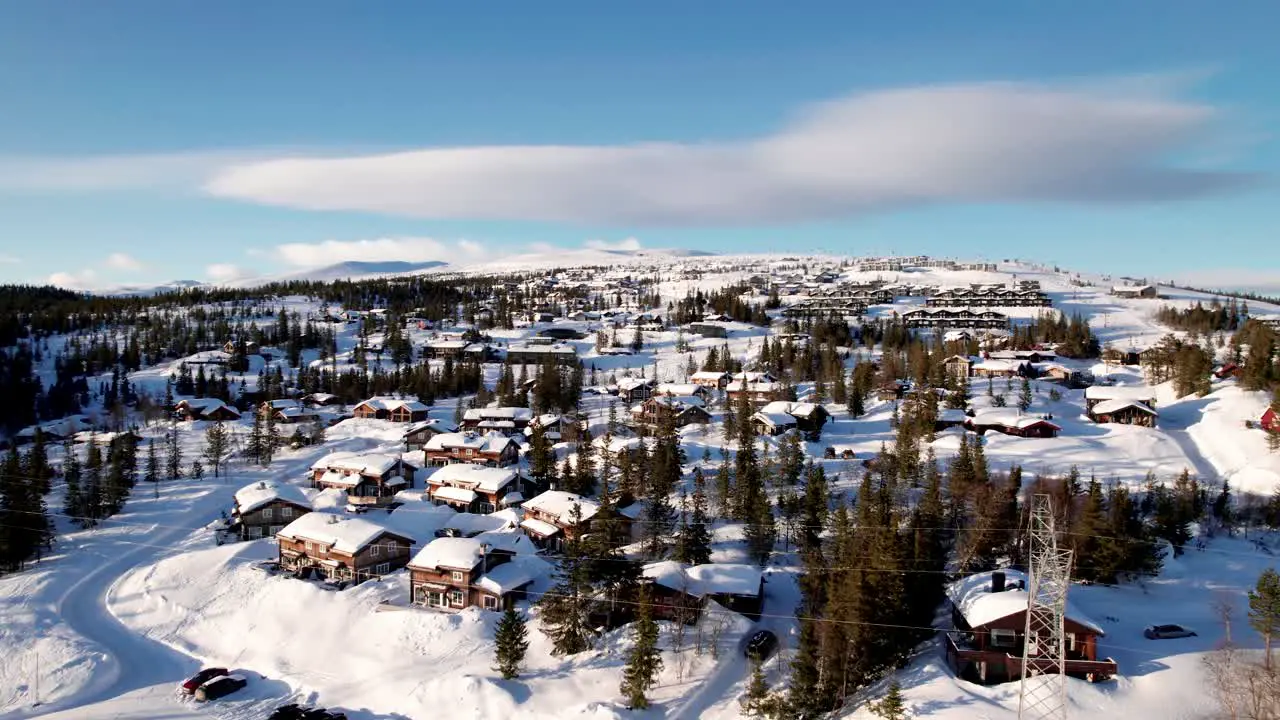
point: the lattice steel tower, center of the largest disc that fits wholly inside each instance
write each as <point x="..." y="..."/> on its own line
<point x="1043" y="691"/>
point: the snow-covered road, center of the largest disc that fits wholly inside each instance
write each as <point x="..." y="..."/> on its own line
<point x="130" y="664"/>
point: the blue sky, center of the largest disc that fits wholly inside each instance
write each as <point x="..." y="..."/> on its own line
<point x="148" y="141"/>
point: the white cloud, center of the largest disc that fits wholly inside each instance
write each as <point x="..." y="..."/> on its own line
<point x="77" y="280"/>
<point x="630" y="244"/>
<point x="9" y="260"/>
<point x="225" y="272"/>
<point x="965" y="143"/>
<point x="406" y="249"/>
<point x="123" y="261"/>
<point x="160" y="171"/>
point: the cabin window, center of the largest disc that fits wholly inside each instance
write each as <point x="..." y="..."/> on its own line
<point x="457" y="576"/>
<point x="382" y="568"/>
<point x="455" y="597"/>
<point x="484" y="508"/>
<point x="266" y="513"/>
<point x="286" y="513"/>
<point x="311" y="547"/>
<point x="375" y="550"/>
<point x="1071" y="642"/>
<point x="490" y="602"/>
<point x="255" y="532"/>
<point x="1004" y="638"/>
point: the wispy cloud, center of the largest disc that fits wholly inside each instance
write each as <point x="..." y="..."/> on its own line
<point x="1087" y="141"/>
<point x="1246" y="279"/>
<point x="407" y="249"/>
<point x="225" y="272"/>
<point x="9" y="259"/>
<point x="124" y="262"/>
<point x="624" y="244"/>
<point x="74" y="280"/>
<point x="989" y="142"/>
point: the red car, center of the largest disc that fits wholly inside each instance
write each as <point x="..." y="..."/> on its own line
<point x="200" y="678"/>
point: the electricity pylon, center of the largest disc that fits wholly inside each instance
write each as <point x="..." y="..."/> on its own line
<point x="1043" y="691"/>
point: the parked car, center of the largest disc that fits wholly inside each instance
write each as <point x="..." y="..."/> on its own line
<point x="292" y="711"/>
<point x="200" y="678"/>
<point x="761" y="645"/>
<point x="1167" y="632"/>
<point x="220" y="687"/>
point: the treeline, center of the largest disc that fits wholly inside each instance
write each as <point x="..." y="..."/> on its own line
<point x="726" y="301"/>
<point x="1205" y="320"/>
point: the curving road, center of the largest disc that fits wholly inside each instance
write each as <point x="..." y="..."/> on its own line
<point x="133" y="662"/>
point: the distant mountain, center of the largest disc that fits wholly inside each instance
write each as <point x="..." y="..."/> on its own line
<point x="359" y="269"/>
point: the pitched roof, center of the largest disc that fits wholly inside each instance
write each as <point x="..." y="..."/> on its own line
<point x="388" y="403"/>
<point x="514" y="573"/>
<point x="559" y="504"/>
<point x="345" y="534"/>
<point x="499" y="413"/>
<point x="1107" y="407"/>
<point x="477" y="477"/>
<point x="364" y="463"/>
<point x="973" y="598"/>
<point x="253" y="496"/>
<point x="492" y="442"/>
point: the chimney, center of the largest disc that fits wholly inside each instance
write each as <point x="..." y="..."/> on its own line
<point x="997" y="581"/>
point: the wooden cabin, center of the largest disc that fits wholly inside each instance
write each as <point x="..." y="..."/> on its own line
<point x="1123" y="412"/>
<point x="491" y="571"/>
<point x="493" y="449"/>
<point x="474" y="488"/>
<point x="368" y="479"/>
<point x="989" y="614"/>
<point x="341" y="547"/>
<point x="395" y="410"/>
<point x="262" y="509"/>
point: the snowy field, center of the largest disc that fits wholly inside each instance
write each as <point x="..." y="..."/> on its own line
<point x="117" y="616"/>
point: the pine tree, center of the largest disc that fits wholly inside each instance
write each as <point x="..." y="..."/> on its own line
<point x="694" y="547"/>
<point x="891" y="706"/>
<point x="73" y="501"/>
<point x="757" y="695"/>
<point x="151" y="473"/>
<point x="270" y="440"/>
<point x="510" y="643"/>
<point x="173" y="455"/>
<point x="644" y="660"/>
<point x="1264" y="610"/>
<point x="1024" y="395"/>
<point x="215" y="445"/>
<point x="257" y="440"/>
<point x="566" y="609"/>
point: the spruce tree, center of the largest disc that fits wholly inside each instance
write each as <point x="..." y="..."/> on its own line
<point x="1264" y="610"/>
<point x="891" y="706"/>
<point x="644" y="660"/>
<point x="757" y="695"/>
<point x="151" y="472"/>
<point x="73" y="500"/>
<point x="694" y="546"/>
<point x="566" y="609"/>
<point x="215" y="445"/>
<point x="173" y="455"/>
<point x="510" y="643"/>
<point x="1024" y="395"/>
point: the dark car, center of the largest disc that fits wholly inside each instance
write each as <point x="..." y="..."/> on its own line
<point x="220" y="687"/>
<point x="1167" y="632"/>
<point x="292" y="711"/>
<point x="761" y="645"/>
<point x="200" y="678"/>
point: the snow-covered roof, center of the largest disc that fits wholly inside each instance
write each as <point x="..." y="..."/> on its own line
<point x="204" y="406"/>
<point x="474" y="523"/>
<point x="539" y="527"/>
<point x="456" y="494"/>
<point x="462" y="553"/>
<point x="1009" y="419"/>
<point x="364" y="463"/>
<point x="631" y="383"/>
<point x="434" y="423"/>
<point x="1000" y="365"/>
<point x="973" y="598"/>
<point x="388" y="403"/>
<point x="952" y="415"/>
<point x="345" y="534"/>
<point x="251" y="497"/>
<point x="617" y="444"/>
<point x="1110" y="406"/>
<point x="726" y="578"/>
<point x="679" y="389"/>
<point x="763" y="386"/>
<point x="774" y="419"/>
<point x="493" y="442"/>
<point x="708" y="375"/>
<point x="516" y="572"/>
<point x="499" y="413"/>
<point x="559" y="504"/>
<point x="669" y="574"/>
<point x="1141" y="393"/>
<point x="476" y="477"/>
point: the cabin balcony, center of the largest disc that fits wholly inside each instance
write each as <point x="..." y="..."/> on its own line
<point x="989" y="667"/>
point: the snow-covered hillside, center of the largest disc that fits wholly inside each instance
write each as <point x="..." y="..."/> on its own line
<point x="109" y="623"/>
